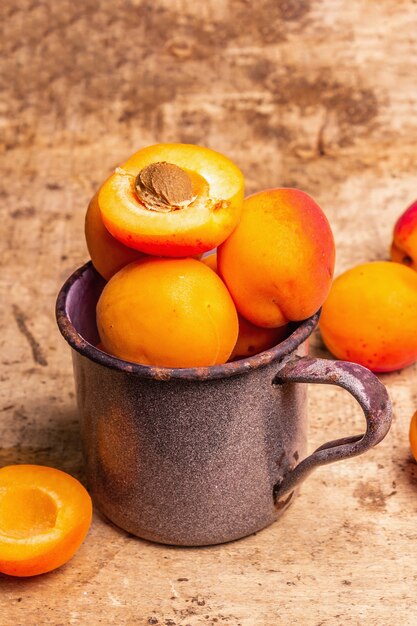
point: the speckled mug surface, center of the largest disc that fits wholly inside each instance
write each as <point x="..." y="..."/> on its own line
<point x="202" y="456"/>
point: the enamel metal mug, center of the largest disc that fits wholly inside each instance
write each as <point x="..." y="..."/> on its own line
<point x="202" y="456"/>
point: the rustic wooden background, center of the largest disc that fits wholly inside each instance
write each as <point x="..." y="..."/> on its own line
<point x="319" y="94"/>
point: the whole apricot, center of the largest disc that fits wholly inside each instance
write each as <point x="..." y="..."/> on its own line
<point x="167" y="313"/>
<point x="278" y="262"/>
<point x="251" y="339"/>
<point x="173" y="200"/>
<point x="107" y="253"/>
<point x="404" y="245"/>
<point x="254" y="339"/>
<point x="370" y="316"/>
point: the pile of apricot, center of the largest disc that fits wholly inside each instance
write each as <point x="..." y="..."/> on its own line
<point x="164" y="304"/>
<point x="147" y="227"/>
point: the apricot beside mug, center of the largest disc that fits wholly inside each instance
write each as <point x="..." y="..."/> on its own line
<point x="203" y="455"/>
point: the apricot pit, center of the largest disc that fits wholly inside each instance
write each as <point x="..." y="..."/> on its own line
<point x="164" y="187"/>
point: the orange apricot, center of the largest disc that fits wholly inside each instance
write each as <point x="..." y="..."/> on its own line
<point x="44" y="517"/>
<point x="211" y="261"/>
<point x="107" y="253"/>
<point x="254" y="339"/>
<point x="173" y="200"/>
<point x="413" y="435"/>
<point x="278" y="262"/>
<point x="168" y="313"/>
<point x="370" y="316"/>
<point x="251" y="339"/>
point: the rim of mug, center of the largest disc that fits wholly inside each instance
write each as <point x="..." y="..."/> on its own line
<point x="301" y="331"/>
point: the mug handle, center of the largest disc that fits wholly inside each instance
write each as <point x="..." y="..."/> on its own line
<point x="368" y="391"/>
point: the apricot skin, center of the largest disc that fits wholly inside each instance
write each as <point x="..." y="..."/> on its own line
<point x="189" y="231"/>
<point x="167" y="313"/>
<point x="251" y="339"/>
<point x="254" y="339"/>
<point x="404" y="245"/>
<point x="278" y="263"/>
<point x="370" y="316"/>
<point x="107" y="254"/>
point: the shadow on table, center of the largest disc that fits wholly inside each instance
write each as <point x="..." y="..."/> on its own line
<point x="51" y="437"/>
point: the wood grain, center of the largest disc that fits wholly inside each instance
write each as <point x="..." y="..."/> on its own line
<point x="315" y="94"/>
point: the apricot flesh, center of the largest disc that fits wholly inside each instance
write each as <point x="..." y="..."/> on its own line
<point x="45" y="515"/>
<point x="278" y="263"/>
<point x="404" y="245"/>
<point x="179" y="231"/>
<point x="370" y="316"/>
<point x="107" y="254"/>
<point x="167" y="313"/>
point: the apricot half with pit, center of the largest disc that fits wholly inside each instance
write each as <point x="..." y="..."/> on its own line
<point x="173" y="200"/>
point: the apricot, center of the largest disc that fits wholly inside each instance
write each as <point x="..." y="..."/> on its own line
<point x="251" y="339"/>
<point x="45" y="515"/>
<point x="167" y="313"/>
<point x="107" y="253"/>
<point x="173" y="200"/>
<point x="370" y="316"/>
<point x="254" y="339"/>
<point x="404" y="245"/>
<point x="413" y="435"/>
<point x="278" y="262"/>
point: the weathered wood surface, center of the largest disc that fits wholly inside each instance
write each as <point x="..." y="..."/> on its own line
<point x="317" y="94"/>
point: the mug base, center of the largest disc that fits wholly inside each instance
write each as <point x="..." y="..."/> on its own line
<point x="206" y="540"/>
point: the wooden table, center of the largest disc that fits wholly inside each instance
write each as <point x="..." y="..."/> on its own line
<point x="319" y="95"/>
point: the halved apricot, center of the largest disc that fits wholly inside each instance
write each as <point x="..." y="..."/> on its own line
<point x="44" y="517"/>
<point x="173" y="200"/>
<point x="107" y="253"/>
<point x="167" y="313"/>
